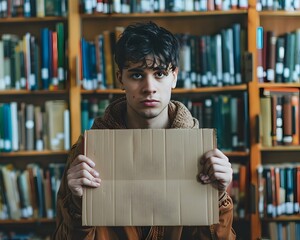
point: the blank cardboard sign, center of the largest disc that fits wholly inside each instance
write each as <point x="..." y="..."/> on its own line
<point x="149" y="178"/>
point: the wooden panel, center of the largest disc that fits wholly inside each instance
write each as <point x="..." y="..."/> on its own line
<point x="253" y="23"/>
<point x="74" y="37"/>
<point x="34" y="27"/>
<point x="280" y="24"/>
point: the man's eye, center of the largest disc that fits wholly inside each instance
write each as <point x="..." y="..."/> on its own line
<point x="136" y="76"/>
<point x="160" y="74"/>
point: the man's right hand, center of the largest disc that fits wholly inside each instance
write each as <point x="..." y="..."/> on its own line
<point x="82" y="174"/>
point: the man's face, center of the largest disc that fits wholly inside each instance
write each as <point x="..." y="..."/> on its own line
<point x="148" y="90"/>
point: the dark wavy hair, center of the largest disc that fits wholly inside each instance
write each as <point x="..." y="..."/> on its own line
<point x="147" y="39"/>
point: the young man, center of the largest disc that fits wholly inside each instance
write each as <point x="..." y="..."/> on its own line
<point x="147" y="58"/>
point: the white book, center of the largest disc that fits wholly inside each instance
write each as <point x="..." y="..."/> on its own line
<point x="6" y="38"/>
<point x="185" y="57"/>
<point x="27" y="58"/>
<point x="189" y="6"/>
<point x="13" y="198"/>
<point x="219" y="68"/>
<point x="67" y="129"/>
<point x="40" y="6"/>
<point x="14" y="125"/>
<point x="26" y="209"/>
<point x="117" y="6"/>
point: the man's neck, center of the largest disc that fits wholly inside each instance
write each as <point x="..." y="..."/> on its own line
<point x="137" y="122"/>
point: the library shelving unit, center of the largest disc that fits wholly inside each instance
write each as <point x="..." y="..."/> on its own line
<point x="19" y="26"/>
<point x="280" y="22"/>
<point x="198" y="23"/>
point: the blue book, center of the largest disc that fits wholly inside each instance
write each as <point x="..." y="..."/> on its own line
<point x="50" y="47"/>
<point x="33" y="82"/>
<point x="84" y="115"/>
<point x="280" y="231"/>
<point x="1" y="127"/>
<point x="27" y="8"/>
<point x="101" y="39"/>
<point x="84" y="62"/>
<point x="297" y="230"/>
<point x="45" y="52"/>
<point x="7" y="128"/>
<point x="92" y="65"/>
<point x="289" y="190"/>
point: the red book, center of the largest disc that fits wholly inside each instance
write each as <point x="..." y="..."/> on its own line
<point x="287" y="120"/>
<point x="54" y="82"/>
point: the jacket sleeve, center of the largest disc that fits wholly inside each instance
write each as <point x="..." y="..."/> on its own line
<point x="68" y="208"/>
<point x="224" y="229"/>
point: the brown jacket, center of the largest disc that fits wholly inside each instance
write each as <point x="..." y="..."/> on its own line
<point x="69" y="207"/>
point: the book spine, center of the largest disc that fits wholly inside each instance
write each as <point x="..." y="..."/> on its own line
<point x="259" y="47"/>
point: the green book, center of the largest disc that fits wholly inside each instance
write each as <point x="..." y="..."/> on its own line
<point x="1" y="128"/>
<point x="289" y="57"/>
<point x="296" y="72"/>
<point x="2" y="83"/>
<point x="61" y="54"/>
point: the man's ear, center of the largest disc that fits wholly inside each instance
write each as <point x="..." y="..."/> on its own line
<point x="175" y="74"/>
<point x="119" y="78"/>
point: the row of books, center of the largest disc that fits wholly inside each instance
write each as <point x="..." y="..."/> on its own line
<point x="288" y="5"/>
<point x="284" y="230"/>
<point x="31" y="192"/>
<point x="25" y="126"/>
<point x="33" y="8"/>
<point x="228" y="114"/>
<point x="278" y="190"/>
<point x="237" y="189"/>
<point x="34" y="63"/>
<point x="96" y="61"/>
<point x="279" y="118"/>
<point x="278" y="57"/>
<point x="90" y="109"/>
<point x="214" y="60"/>
<point x="148" y="6"/>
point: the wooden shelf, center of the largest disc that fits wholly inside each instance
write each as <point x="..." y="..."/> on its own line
<point x="164" y="14"/>
<point x="279" y="85"/>
<point x="35" y="92"/>
<point x="280" y="148"/>
<point x="283" y="218"/>
<point x="280" y="13"/>
<point x="25" y="20"/>
<point x="102" y="91"/>
<point x="241" y="87"/>
<point x="33" y="153"/>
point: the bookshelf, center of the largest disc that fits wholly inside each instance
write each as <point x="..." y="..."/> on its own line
<point x="281" y="22"/>
<point x="19" y="26"/>
<point x="88" y="25"/>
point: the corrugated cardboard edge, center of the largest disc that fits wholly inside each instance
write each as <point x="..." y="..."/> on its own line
<point x="215" y="197"/>
<point x="84" y="203"/>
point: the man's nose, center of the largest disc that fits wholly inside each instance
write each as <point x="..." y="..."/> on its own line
<point x="149" y="84"/>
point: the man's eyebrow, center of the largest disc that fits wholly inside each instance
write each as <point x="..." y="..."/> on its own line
<point x="135" y="70"/>
<point x="138" y="69"/>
